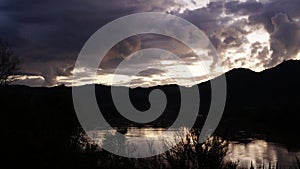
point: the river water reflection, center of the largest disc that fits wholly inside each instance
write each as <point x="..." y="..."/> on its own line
<point x="261" y="153"/>
<point x="258" y="152"/>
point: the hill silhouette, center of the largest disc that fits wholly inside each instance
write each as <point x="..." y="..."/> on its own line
<point x="42" y="121"/>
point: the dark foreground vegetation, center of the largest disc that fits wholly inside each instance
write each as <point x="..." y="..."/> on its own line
<point x="188" y="154"/>
<point x="39" y="127"/>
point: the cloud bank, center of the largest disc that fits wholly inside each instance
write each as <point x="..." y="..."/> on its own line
<point x="48" y="35"/>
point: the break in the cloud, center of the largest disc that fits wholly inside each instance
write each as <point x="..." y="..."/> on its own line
<point x="48" y="35"/>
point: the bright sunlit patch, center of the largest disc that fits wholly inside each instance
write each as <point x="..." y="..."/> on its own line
<point x="174" y="73"/>
<point x="31" y="80"/>
<point x="202" y="52"/>
<point x="259" y="35"/>
<point x="26" y="77"/>
<point x="298" y="56"/>
<point x="190" y="5"/>
<point x="234" y="18"/>
<point x="168" y="62"/>
<point x="248" y="54"/>
<point x="64" y="80"/>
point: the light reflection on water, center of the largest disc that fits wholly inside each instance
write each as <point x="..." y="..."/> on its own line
<point x="261" y="152"/>
<point x="147" y="132"/>
<point x="147" y="139"/>
<point x="132" y="133"/>
<point x="257" y="151"/>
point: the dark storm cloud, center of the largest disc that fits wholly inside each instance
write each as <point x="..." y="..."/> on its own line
<point x="205" y="18"/>
<point x="221" y="29"/>
<point x="64" y="25"/>
<point x="244" y="8"/>
<point x="290" y="7"/>
<point x="43" y="31"/>
<point x="285" y="39"/>
<point x="48" y="69"/>
<point x="54" y="69"/>
<point x="261" y="55"/>
<point x="277" y="16"/>
<point x="133" y="44"/>
<point x="48" y="34"/>
<point x="120" y="51"/>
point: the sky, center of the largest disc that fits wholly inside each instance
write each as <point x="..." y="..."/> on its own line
<point x="48" y="35"/>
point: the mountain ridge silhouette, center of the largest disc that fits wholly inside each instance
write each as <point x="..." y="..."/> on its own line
<point x="256" y="102"/>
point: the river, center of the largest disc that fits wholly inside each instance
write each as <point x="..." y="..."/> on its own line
<point x="257" y="151"/>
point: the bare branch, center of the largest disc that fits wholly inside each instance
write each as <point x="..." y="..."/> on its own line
<point x="9" y="63"/>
